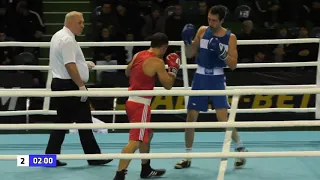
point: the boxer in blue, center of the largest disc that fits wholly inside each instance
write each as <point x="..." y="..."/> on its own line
<point x="215" y="48"/>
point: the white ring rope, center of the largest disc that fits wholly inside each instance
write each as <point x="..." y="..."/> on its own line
<point x="189" y="66"/>
<point x="171" y="43"/>
<point x="184" y="88"/>
<point x="171" y="125"/>
<point x="158" y="93"/>
<point x="179" y="155"/>
<point x="177" y="111"/>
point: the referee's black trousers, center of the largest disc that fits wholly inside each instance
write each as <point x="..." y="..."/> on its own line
<point x="69" y="110"/>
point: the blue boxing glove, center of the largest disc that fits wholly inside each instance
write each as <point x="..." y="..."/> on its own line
<point x="188" y="33"/>
<point x="216" y="46"/>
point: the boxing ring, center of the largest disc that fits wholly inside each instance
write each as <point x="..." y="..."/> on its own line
<point x="273" y="155"/>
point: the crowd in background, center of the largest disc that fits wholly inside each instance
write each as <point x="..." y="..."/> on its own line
<point x="137" y="20"/>
<point x="22" y="21"/>
<point x="272" y="19"/>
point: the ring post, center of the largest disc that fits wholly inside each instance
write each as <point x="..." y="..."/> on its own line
<point x="27" y="109"/>
<point x="317" y="114"/>
<point x="46" y="102"/>
<point x="114" y="109"/>
<point x="184" y="72"/>
<point x="227" y="138"/>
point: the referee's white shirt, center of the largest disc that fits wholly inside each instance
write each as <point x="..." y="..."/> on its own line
<point x="65" y="49"/>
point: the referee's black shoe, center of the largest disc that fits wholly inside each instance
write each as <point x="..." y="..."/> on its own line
<point x="99" y="162"/>
<point x="59" y="163"/>
<point x="91" y="163"/>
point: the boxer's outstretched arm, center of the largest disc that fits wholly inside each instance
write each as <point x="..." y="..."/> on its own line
<point x="232" y="59"/>
<point x="166" y="79"/>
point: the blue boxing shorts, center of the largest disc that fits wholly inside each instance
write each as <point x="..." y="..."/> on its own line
<point x="208" y="79"/>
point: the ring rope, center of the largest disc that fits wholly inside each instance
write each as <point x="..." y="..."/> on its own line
<point x="176" y="111"/>
<point x="171" y="125"/>
<point x="158" y="93"/>
<point x="180" y="155"/>
<point x="188" y="66"/>
<point x="171" y="43"/>
<point x="183" y="88"/>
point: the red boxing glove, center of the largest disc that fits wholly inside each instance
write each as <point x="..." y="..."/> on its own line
<point x="173" y="62"/>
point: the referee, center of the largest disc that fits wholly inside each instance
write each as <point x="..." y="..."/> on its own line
<point x="70" y="72"/>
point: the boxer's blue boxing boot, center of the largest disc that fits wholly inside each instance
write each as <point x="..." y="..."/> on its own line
<point x="148" y="172"/>
<point x="186" y="163"/>
<point x="240" y="162"/>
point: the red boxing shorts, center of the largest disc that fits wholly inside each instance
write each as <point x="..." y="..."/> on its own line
<point x="138" y="113"/>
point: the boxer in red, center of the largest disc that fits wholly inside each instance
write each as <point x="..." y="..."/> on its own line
<point x="142" y="72"/>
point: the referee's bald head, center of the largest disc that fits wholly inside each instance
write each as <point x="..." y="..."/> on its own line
<point x="74" y="22"/>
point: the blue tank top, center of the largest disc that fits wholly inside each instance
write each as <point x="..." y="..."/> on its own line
<point x="209" y="59"/>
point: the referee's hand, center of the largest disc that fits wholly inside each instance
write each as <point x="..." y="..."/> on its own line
<point x="83" y="98"/>
<point x="90" y="64"/>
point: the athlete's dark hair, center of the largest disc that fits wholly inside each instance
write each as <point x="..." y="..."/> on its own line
<point x="158" y="40"/>
<point x="219" y="10"/>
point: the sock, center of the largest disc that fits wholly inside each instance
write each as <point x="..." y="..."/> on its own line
<point x="122" y="171"/>
<point x="188" y="150"/>
<point x="239" y="144"/>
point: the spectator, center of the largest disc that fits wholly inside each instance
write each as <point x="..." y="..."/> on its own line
<point x="246" y="53"/>
<point x="173" y="27"/>
<point x="174" y="24"/>
<point x="259" y="57"/>
<point x="24" y="24"/>
<point x="248" y="31"/>
<point x="288" y="11"/>
<point x="104" y="53"/>
<point x="106" y="56"/>
<point x="268" y="11"/>
<point x="244" y="12"/>
<point x="133" y="10"/>
<point x="309" y="10"/>
<point x="37" y="6"/>
<point x="279" y="51"/>
<point x="315" y="13"/>
<point x="132" y="7"/>
<point x="3" y="7"/>
<point x="106" y="18"/>
<point x="154" y="23"/>
<point x="130" y="51"/>
<point x="303" y="52"/>
<point x="201" y="18"/>
<point x="162" y="4"/>
<point x="6" y="53"/>
<point x="124" y="22"/>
